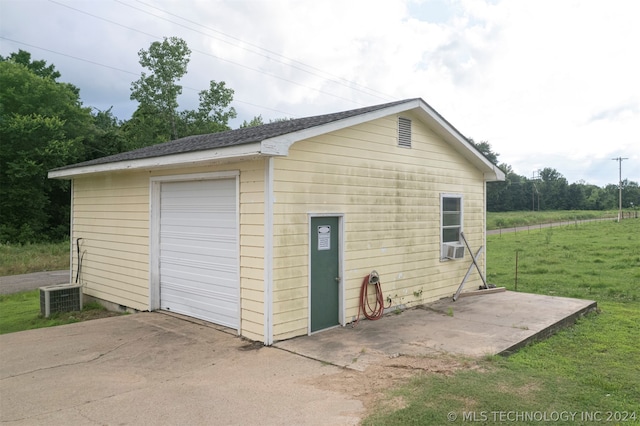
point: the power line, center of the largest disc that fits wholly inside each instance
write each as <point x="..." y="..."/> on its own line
<point x="205" y="53"/>
<point x="105" y="19"/>
<point x="346" y="83"/>
<point x="68" y="56"/>
<point x="136" y="74"/>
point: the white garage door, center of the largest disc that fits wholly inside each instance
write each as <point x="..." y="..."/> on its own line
<point x="199" y="250"/>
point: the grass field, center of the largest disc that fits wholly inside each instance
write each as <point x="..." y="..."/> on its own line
<point x="586" y="374"/>
<point x="513" y="219"/>
<point x="24" y="258"/>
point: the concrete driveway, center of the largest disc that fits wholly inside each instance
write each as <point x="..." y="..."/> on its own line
<point x="157" y="369"/>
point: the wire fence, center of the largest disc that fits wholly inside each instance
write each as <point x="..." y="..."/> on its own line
<point x="576" y="222"/>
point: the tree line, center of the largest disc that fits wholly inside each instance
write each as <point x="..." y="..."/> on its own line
<point x="44" y="125"/>
<point x="551" y="191"/>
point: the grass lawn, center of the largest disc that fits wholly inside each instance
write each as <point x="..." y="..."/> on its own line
<point x="21" y="311"/>
<point x="24" y="258"/>
<point x="586" y="374"/>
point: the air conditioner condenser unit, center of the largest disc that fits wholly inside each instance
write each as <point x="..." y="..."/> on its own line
<point x="60" y="298"/>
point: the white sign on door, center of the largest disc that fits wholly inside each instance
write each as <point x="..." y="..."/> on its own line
<point x="324" y="237"/>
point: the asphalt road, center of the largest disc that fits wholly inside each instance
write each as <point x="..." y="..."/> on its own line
<point x="16" y="283"/>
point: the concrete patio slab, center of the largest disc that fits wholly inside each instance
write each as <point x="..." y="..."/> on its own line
<point x="474" y="326"/>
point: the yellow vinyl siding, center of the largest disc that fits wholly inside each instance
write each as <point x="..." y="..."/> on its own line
<point x="252" y="249"/>
<point x="390" y="198"/>
<point x="111" y="214"/>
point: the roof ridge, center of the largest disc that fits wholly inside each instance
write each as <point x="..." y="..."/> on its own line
<point x="233" y="137"/>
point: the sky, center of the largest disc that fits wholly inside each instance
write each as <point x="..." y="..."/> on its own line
<point x="548" y="83"/>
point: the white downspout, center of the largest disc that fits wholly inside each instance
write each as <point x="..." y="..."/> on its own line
<point x="71" y="214"/>
<point x="268" y="251"/>
<point x="484" y="228"/>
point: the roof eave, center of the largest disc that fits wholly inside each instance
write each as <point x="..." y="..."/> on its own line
<point x="194" y="158"/>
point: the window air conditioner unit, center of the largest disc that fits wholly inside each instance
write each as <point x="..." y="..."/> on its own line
<point x="60" y="298"/>
<point x="454" y="251"/>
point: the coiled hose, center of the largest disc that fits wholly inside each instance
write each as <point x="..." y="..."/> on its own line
<point x="377" y="311"/>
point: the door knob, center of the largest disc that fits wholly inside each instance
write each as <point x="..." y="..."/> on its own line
<point x="337" y="279"/>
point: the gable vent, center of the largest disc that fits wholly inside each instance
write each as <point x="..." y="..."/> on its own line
<point x="404" y="132"/>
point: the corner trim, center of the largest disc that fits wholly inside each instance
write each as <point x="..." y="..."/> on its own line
<point x="268" y="251"/>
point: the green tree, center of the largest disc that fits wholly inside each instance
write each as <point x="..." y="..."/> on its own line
<point x="157" y="118"/>
<point x="167" y="61"/>
<point x="213" y="113"/>
<point x="511" y="195"/>
<point x="107" y="137"/>
<point x="630" y="194"/>
<point x="575" y="197"/>
<point x="39" y="68"/>
<point x="609" y="195"/>
<point x="146" y="127"/>
<point x="42" y="126"/>
<point x="485" y="149"/>
<point x="553" y="190"/>
<point x="255" y="121"/>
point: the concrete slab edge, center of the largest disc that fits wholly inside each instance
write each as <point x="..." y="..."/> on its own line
<point x="551" y="330"/>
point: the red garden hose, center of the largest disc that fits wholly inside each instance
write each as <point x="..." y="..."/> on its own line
<point x="376" y="312"/>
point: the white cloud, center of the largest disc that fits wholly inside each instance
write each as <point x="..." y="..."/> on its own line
<point x="548" y="83"/>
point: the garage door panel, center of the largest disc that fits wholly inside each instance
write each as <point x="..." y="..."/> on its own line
<point x="186" y="291"/>
<point x="211" y="199"/>
<point x="224" y="290"/>
<point x="199" y="250"/>
<point x="204" y="231"/>
<point x="201" y="188"/>
<point x="201" y="276"/>
<point x="213" y="220"/>
<point x="220" y="313"/>
<point x="185" y="296"/>
<point x="178" y="248"/>
<point x="199" y="265"/>
<point x="177" y="215"/>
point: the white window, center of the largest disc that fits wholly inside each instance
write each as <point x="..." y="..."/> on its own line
<point x="451" y="226"/>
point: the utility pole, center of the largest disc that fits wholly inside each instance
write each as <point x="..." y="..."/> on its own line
<point x="535" y="191"/>
<point x="619" y="160"/>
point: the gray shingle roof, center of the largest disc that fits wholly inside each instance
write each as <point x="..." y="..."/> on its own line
<point x="231" y="137"/>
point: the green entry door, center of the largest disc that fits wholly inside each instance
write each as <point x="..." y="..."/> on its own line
<point x="325" y="273"/>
